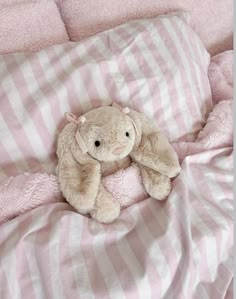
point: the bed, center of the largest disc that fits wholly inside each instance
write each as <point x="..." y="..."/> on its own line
<point x="177" y="248"/>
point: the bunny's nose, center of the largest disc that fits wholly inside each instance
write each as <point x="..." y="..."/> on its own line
<point x="118" y="150"/>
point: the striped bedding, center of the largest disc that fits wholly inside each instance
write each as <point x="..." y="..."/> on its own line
<point x="180" y="248"/>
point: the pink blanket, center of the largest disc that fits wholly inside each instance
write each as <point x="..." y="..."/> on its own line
<point x="28" y="25"/>
<point x="211" y="19"/>
<point x="181" y="248"/>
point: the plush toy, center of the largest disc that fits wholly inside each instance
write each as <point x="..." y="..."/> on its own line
<point x="103" y="141"/>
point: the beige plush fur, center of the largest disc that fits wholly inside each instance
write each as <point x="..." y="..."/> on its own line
<point x="103" y="141"/>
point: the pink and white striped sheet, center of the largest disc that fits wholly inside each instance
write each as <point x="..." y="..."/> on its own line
<point x="177" y="249"/>
<point x="180" y="248"/>
<point x="156" y="66"/>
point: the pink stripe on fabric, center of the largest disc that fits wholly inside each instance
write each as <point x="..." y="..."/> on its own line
<point x="126" y="74"/>
<point x="42" y="247"/>
<point x="34" y="112"/>
<point x="19" y="135"/>
<point x="6" y="284"/>
<point x="169" y="253"/>
<point x="67" y="278"/>
<point x="100" y="289"/>
<point x="201" y="244"/>
<point x="22" y="263"/>
<point x="154" y="52"/>
<point x="180" y="216"/>
<point x="137" y="55"/>
<point x="89" y="82"/>
<point x="175" y="261"/>
<point x="176" y="98"/>
<point x="207" y="221"/>
<point x="175" y="26"/>
<point x="139" y="250"/>
<point x="122" y="271"/>
<point x="171" y="28"/>
<point x="78" y="68"/>
<point x="110" y="276"/>
<point x="222" y="280"/>
<point x="72" y="99"/>
<point x="22" y="110"/>
<point x="64" y="78"/>
<point x="9" y="168"/>
<point x="170" y="43"/>
<point x="102" y="57"/>
<point x="109" y="73"/>
<point x="209" y="191"/>
<point x="198" y="55"/>
<point x="46" y="89"/>
<point x="181" y="32"/>
<point x="95" y="53"/>
<point x="133" y="80"/>
<point x="8" y="239"/>
<point x="151" y="231"/>
<point x="145" y="70"/>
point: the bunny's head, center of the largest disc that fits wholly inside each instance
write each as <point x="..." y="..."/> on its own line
<point x="105" y="134"/>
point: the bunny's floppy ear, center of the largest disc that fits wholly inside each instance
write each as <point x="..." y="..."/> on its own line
<point x="78" y="173"/>
<point x="152" y="148"/>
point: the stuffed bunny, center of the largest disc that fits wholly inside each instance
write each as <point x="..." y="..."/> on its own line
<point x="102" y="141"/>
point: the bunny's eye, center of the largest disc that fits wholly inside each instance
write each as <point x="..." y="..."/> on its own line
<point x="127" y="134"/>
<point x="97" y="143"/>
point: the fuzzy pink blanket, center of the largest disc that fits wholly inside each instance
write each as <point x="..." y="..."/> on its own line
<point x="29" y="25"/>
<point x="211" y="19"/>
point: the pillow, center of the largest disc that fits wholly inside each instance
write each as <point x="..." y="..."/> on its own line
<point x="30" y="25"/>
<point x="156" y="66"/>
<point x="221" y="76"/>
<point x="86" y="18"/>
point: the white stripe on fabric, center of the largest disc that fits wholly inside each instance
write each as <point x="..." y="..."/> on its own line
<point x="186" y="63"/>
<point x="131" y="260"/>
<point x="31" y="260"/>
<point x="165" y="99"/>
<point x="83" y="281"/>
<point x="9" y="144"/>
<point x="54" y="256"/>
<point x="96" y="75"/>
<point x="156" y="255"/>
<point x="105" y="266"/>
<point x="53" y="80"/>
<point x="36" y="94"/>
<point x="139" y="78"/>
<point x="23" y="117"/>
<point x="8" y="259"/>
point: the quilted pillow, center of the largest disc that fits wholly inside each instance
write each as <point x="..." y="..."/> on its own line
<point x="157" y="66"/>
<point x="29" y="25"/>
<point x="86" y="18"/>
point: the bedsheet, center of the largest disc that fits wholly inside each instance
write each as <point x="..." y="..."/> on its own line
<point x="180" y="248"/>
